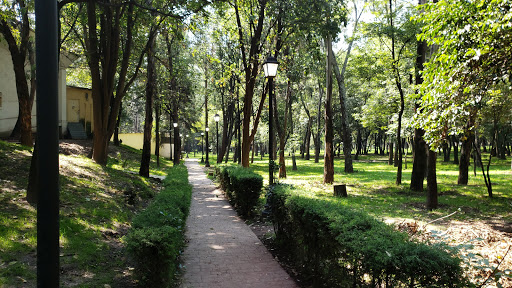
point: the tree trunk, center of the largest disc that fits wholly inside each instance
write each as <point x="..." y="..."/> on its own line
<point x="465" y="157"/>
<point x="419" y="165"/>
<point x="307" y="147"/>
<point x="419" y="146"/>
<point x="103" y="62"/>
<point x="359" y="141"/>
<point x="376" y="144"/>
<point x="398" y="83"/>
<point x="118" y="122"/>
<point x="329" y="133"/>
<point x="251" y="68"/>
<point x="487" y="177"/>
<point x="307" y="139"/>
<point x="33" y="183"/>
<point x="282" y="131"/>
<point x="431" y="181"/>
<point x="390" y="153"/>
<point x="148" y="121"/>
<point x="252" y="154"/>
<point x="395" y="156"/>
<point x="455" y="142"/>
<point x="446" y="151"/>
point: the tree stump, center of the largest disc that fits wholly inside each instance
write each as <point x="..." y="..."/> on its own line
<point x="340" y="190"/>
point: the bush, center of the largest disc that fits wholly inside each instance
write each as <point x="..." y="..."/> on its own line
<point x="156" y="238"/>
<point x="242" y="187"/>
<point x="334" y="246"/>
<point x="155" y="250"/>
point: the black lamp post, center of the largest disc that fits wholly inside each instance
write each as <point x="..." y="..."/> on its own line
<point x="202" y="147"/>
<point x="207" y="163"/>
<point x="217" y="118"/>
<point x="270" y="69"/>
<point x="48" y="269"/>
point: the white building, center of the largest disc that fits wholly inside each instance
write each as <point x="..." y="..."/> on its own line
<point x="9" y="97"/>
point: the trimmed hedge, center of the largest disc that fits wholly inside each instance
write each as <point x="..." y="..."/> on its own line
<point x="242" y="187"/>
<point x="334" y="246"/>
<point x="157" y="235"/>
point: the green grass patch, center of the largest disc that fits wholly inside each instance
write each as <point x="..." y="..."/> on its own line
<point x="97" y="204"/>
<point x="372" y="188"/>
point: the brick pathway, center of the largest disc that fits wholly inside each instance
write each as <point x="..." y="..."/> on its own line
<point x="223" y="251"/>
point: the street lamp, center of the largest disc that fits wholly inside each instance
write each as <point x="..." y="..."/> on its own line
<point x="181" y="144"/>
<point x="186" y="144"/>
<point x="207" y="163"/>
<point x="176" y="144"/>
<point x="170" y="144"/>
<point x="270" y="69"/>
<point x="202" y="147"/>
<point x="217" y="118"/>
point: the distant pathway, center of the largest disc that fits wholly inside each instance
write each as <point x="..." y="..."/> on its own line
<point x="222" y="251"/>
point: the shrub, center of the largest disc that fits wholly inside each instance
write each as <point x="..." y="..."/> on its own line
<point x="155" y="250"/>
<point x="334" y="246"/>
<point x="242" y="187"/>
<point x="156" y="238"/>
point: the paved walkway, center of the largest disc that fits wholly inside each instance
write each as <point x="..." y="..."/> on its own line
<point x="222" y="251"/>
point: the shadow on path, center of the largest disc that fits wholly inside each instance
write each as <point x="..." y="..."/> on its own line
<point x="222" y="250"/>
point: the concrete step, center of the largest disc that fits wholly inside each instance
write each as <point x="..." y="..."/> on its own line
<point x="76" y="130"/>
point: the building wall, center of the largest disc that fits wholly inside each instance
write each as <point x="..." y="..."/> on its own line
<point x="135" y="140"/>
<point x="81" y="100"/>
<point x="8" y="95"/>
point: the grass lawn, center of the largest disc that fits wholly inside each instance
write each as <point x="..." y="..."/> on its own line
<point x="372" y="188"/>
<point x="97" y="204"/>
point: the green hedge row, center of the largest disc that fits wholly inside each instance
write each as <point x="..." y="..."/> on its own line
<point x="157" y="235"/>
<point x="242" y="187"/>
<point x="334" y="246"/>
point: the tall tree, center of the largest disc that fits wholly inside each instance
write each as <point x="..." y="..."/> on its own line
<point x="250" y="66"/>
<point x="150" y="96"/>
<point x="419" y="164"/>
<point x="329" y="130"/>
<point x="398" y="82"/>
<point x="15" y="29"/>
<point x="104" y="47"/>
<point x="398" y="31"/>
<point x="342" y="91"/>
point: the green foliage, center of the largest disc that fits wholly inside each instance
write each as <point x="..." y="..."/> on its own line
<point x="336" y="246"/>
<point x="242" y="186"/>
<point x="156" y="250"/>
<point x="156" y="238"/>
<point x="472" y="41"/>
